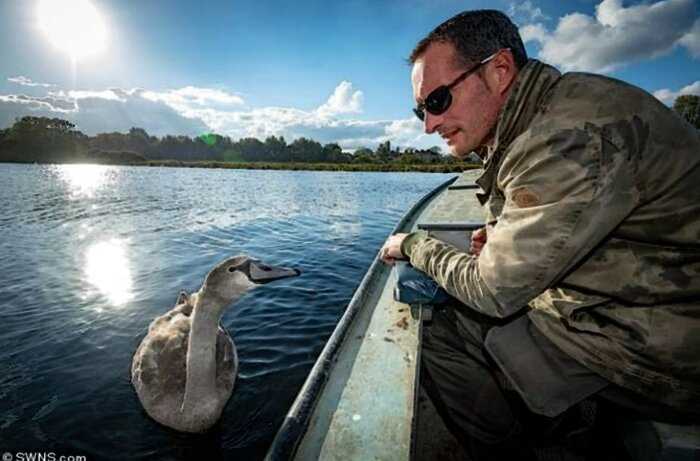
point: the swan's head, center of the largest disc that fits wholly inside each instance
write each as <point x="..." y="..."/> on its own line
<point x="234" y="276"/>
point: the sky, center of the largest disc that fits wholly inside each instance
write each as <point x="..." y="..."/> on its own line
<point x="334" y="71"/>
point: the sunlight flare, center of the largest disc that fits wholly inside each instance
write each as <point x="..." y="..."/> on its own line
<point x="73" y="26"/>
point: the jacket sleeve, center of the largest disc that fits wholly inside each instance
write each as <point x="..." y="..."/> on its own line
<point x="565" y="191"/>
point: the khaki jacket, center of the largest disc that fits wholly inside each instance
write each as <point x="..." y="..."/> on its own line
<point x="593" y="190"/>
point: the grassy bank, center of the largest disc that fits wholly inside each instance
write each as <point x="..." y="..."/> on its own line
<point x="425" y="167"/>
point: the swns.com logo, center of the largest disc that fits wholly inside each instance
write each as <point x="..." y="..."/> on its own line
<point x="30" y="456"/>
<point x="39" y="456"/>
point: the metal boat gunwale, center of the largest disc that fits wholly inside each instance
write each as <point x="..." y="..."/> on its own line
<point x="298" y="418"/>
<point x="324" y="421"/>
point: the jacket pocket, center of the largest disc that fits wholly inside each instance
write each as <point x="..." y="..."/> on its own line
<point x="572" y="307"/>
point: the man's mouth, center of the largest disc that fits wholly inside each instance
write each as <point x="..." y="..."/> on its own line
<point x="447" y="136"/>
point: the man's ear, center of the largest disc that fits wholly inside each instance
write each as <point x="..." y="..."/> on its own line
<point x="503" y="72"/>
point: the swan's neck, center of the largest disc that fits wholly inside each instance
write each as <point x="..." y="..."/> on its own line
<point x="201" y="352"/>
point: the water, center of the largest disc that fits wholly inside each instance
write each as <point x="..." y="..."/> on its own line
<point x="91" y="254"/>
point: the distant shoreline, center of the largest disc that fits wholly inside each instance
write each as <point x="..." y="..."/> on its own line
<point x="292" y="166"/>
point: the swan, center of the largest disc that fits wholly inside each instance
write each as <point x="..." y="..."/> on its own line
<point x="185" y="367"/>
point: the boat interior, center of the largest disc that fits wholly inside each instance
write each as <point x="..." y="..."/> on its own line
<point x="363" y="398"/>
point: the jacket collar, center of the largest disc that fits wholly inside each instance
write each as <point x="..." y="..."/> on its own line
<point x="526" y="98"/>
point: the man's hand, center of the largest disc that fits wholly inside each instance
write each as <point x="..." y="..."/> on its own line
<point x="478" y="241"/>
<point x="391" y="251"/>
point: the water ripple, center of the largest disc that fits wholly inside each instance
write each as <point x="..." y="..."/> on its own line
<point x="92" y="254"/>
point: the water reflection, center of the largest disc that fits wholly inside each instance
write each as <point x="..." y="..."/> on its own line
<point x="107" y="269"/>
<point x="125" y="240"/>
<point x="85" y="180"/>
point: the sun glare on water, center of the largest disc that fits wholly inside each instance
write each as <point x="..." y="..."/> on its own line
<point x="84" y="181"/>
<point x="107" y="270"/>
<point x="73" y="26"/>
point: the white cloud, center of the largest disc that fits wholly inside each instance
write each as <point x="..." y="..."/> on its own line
<point x="526" y="12"/>
<point x="343" y="101"/>
<point x="192" y="98"/>
<point x="24" y="81"/>
<point x="534" y="33"/>
<point x="112" y="94"/>
<point x="102" y="111"/>
<point x="667" y="96"/>
<point x="409" y="132"/>
<point x="616" y="35"/>
<point x="691" y="40"/>
<point x="31" y="105"/>
<point x="192" y="111"/>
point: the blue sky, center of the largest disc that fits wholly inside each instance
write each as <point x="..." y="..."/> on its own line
<point x="333" y="71"/>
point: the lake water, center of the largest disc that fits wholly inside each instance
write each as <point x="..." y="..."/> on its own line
<point x="91" y="254"/>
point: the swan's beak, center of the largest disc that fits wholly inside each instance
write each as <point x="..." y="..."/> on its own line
<point x="262" y="273"/>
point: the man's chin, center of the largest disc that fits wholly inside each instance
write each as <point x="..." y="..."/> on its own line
<point x="459" y="152"/>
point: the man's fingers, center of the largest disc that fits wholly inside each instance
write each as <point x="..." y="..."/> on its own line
<point x="479" y="235"/>
<point x="384" y="256"/>
<point x="391" y="251"/>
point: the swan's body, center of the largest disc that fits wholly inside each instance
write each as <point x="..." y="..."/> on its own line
<point x="159" y="370"/>
<point x="185" y="368"/>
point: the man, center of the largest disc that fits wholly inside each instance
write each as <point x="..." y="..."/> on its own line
<point x="585" y="285"/>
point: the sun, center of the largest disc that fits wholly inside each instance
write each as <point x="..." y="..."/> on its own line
<point x="73" y="26"/>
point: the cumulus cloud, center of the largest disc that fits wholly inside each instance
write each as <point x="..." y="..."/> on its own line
<point x="534" y="33"/>
<point x="409" y="132"/>
<point x="113" y="94"/>
<point x="526" y="12"/>
<point x="24" y="81"/>
<point x="102" y="111"/>
<point x="293" y="123"/>
<point x="691" y="40"/>
<point x="190" y="99"/>
<point x="26" y="105"/>
<point x="667" y="96"/>
<point x="344" y="100"/>
<point x="192" y="111"/>
<point x="617" y="35"/>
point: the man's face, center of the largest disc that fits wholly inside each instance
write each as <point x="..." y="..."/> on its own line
<point x="468" y="122"/>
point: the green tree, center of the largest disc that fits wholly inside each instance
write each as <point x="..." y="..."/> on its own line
<point x="306" y="150"/>
<point x="332" y="153"/>
<point x="688" y="107"/>
<point x="251" y="149"/>
<point x="364" y="155"/>
<point x="275" y="149"/>
<point x="42" y="139"/>
<point x="384" y="151"/>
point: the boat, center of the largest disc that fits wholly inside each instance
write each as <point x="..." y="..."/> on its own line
<point x="362" y="399"/>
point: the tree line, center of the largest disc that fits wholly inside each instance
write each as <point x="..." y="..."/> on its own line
<point x="49" y="140"/>
<point x="54" y="140"/>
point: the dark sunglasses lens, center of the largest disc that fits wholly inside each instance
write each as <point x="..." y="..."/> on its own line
<point x="438" y="101"/>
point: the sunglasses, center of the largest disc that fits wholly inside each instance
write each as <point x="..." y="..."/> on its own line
<point x="439" y="100"/>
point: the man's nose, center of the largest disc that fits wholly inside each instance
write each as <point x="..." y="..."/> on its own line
<point x="431" y="122"/>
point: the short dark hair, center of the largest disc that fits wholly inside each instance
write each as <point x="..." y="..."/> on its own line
<point x="476" y="35"/>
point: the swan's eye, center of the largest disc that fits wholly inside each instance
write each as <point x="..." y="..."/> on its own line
<point x="232" y="269"/>
<point x="265" y="268"/>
